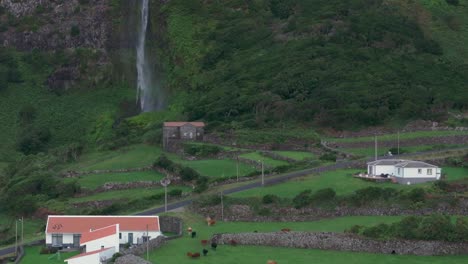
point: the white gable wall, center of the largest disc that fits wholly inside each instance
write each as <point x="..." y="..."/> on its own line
<point x="89" y="259"/>
<point x="380" y="169"/>
<point x="414" y="173"/>
<point x="104" y="242"/>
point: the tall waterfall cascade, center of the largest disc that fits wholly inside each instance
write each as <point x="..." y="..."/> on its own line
<point x="145" y="85"/>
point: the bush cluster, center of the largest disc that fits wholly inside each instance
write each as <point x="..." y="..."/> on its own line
<point x="201" y="150"/>
<point x="434" y="227"/>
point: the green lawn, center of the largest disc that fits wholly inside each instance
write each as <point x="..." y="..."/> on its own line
<point x="296" y="155"/>
<point x="341" y="181"/>
<point x="383" y="151"/>
<point x="94" y="181"/>
<point x="218" y="168"/>
<point x="267" y="160"/>
<point x="32" y="256"/>
<point x="175" y="251"/>
<point x="126" y="194"/>
<point x="130" y="157"/>
<point x="403" y="136"/>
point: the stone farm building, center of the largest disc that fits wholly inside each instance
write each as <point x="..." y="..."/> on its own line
<point x="174" y="131"/>
<point x="404" y="171"/>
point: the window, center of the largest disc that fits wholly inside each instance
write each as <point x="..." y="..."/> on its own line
<point x="398" y="170"/>
<point x="120" y="235"/>
<point x="419" y="171"/>
<point x="429" y="171"/>
<point x="57" y="239"/>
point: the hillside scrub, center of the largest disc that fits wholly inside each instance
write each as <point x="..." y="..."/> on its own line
<point x="336" y="63"/>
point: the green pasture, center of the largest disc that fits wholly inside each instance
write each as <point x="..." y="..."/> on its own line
<point x="219" y="168"/>
<point x="175" y="251"/>
<point x="403" y="136"/>
<point x="134" y="156"/>
<point x="93" y="181"/>
<point x="296" y="155"/>
<point x="32" y="256"/>
<point x="370" y="151"/>
<point x="256" y="156"/>
<point x="341" y="181"/>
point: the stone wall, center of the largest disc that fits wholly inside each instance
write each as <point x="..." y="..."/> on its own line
<point x="131" y="259"/>
<point x="245" y="213"/>
<point x="170" y="224"/>
<point x="141" y="249"/>
<point x="343" y="242"/>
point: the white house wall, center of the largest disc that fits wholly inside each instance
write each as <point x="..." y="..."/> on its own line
<point x="104" y="242"/>
<point x="89" y="259"/>
<point x="413" y="173"/>
<point x="66" y="238"/>
<point x="137" y="235"/>
<point x="107" y="254"/>
<point x="381" y="169"/>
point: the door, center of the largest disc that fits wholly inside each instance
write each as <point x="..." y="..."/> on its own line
<point x="76" y="241"/>
<point x="130" y="238"/>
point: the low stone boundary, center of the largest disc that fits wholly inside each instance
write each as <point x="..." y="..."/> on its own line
<point x="343" y="242"/>
<point x="245" y="213"/>
<point x="275" y="156"/>
<point x="74" y="174"/>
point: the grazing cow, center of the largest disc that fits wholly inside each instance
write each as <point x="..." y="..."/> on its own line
<point x="214" y="245"/>
<point x="271" y="262"/>
<point x="286" y="230"/>
<point x="205" y="252"/>
<point x="196" y="255"/>
<point x="233" y="242"/>
<point x="204" y="242"/>
<point x="194" y="234"/>
<point x="189" y="254"/>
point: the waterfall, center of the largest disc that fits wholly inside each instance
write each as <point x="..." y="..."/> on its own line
<point x="144" y="79"/>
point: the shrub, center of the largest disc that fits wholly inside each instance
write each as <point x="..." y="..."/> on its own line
<point x="416" y="195"/>
<point x="264" y="211"/>
<point x="74" y="31"/>
<point x="328" y="157"/>
<point x="441" y="185"/>
<point x="189" y="174"/>
<point x="270" y="198"/>
<point x="201" y="150"/>
<point x="302" y="199"/>
<point x="407" y="227"/>
<point x="153" y="137"/>
<point x="164" y="162"/>
<point x="202" y="185"/>
<point x="453" y="2"/>
<point x="355" y="229"/>
<point x="323" y="195"/>
<point x="436" y="227"/>
<point x="175" y="193"/>
<point x="379" y="231"/>
<point x="115" y="257"/>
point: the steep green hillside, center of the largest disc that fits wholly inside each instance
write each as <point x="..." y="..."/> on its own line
<point x="340" y="63"/>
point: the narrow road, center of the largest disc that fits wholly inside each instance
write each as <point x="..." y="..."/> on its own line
<point x="271" y="181"/>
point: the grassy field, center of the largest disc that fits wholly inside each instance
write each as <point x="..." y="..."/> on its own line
<point x="267" y="160"/>
<point x="403" y="136"/>
<point x="32" y="227"/>
<point x="94" y="181"/>
<point x="32" y="256"/>
<point x="126" y="194"/>
<point x="175" y="251"/>
<point x="383" y="151"/>
<point x="129" y="157"/>
<point x="218" y="168"/>
<point x="296" y="155"/>
<point x="341" y="181"/>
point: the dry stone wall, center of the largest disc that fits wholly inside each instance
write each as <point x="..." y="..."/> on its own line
<point x="343" y="242"/>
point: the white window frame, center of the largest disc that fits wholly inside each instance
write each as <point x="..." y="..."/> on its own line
<point x="419" y="171"/>
<point x="429" y="171"/>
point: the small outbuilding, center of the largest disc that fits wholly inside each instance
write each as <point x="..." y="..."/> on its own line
<point x="404" y="171"/>
<point x="186" y="131"/>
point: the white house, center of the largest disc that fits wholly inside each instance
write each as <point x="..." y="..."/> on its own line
<point x="404" y="171"/>
<point x="100" y="245"/>
<point x="66" y="231"/>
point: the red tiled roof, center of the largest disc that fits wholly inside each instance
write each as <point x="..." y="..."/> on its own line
<point x="179" y="124"/>
<point x="89" y="253"/>
<point x="82" y="224"/>
<point x="99" y="233"/>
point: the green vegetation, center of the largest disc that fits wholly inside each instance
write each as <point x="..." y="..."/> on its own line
<point x="344" y="64"/>
<point x="370" y="151"/>
<point x="93" y="181"/>
<point x="175" y="251"/>
<point x="434" y="227"/>
<point x="296" y="155"/>
<point x="126" y="194"/>
<point x="32" y="229"/>
<point x="219" y="168"/>
<point x="403" y="136"/>
<point x="134" y="156"/>
<point x="32" y="256"/>
<point x="341" y="181"/>
<point x="255" y="156"/>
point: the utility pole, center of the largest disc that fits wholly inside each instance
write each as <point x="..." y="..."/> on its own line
<point x="165" y="182"/>
<point x="16" y="237"/>
<point x="237" y="167"/>
<point x="375" y="137"/>
<point x="398" y="136"/>
<point x="222" y="207"/>
<point x="147" y="243"/>
<point x="22" y="229"/>
<point x="263" y="174"/>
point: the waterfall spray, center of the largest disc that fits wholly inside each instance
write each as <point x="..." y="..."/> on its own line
<point x="144" y="75"/>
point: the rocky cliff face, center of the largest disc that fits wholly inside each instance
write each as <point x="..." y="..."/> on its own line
<point x="52" y="25"/>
